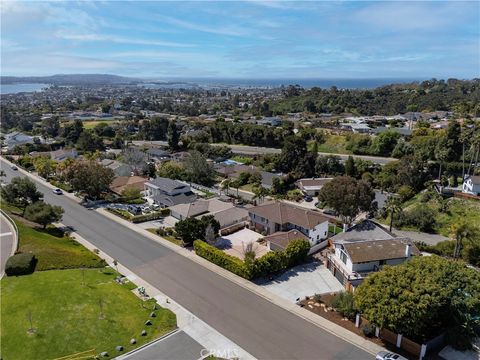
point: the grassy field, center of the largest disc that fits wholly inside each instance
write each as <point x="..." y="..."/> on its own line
<point x="53" y="249"/>
<point x="68" y="317"/>
<point x="334" y="144"/>
<point x="458" y="210"/>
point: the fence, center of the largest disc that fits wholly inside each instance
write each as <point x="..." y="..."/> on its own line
<point x="404" y="343"/>
<point x="318" y="247"/>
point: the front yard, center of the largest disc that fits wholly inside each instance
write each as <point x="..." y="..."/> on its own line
<point x="54" y="249"/>
<point x="74" y="311"/>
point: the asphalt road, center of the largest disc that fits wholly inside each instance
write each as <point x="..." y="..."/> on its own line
<point x="178" y="346"/>
<point x="263" y="329"/>
<point x="254" y="150"/>
<point x="6" y="242"/>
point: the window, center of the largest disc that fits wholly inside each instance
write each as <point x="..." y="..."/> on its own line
<point x="343" y="257"/>
<point x="383" y="262"/>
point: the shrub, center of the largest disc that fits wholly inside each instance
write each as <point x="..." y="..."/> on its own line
<point x="218" y="257"/>
<point x="344" y="304"/>
<point x="317" y="298"/>
<point x="368" y="330"/>
<point x="421" y="217"/>
<point x="20" y="264"/>
<point x="147" y="217"/>
<point x="271" y="262"/>
<point x="61" y="185"/>
<point x="296" y="251"/>
<point x="405" y="192"/>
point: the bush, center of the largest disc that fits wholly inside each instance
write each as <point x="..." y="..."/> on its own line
<point x="20" y="264"/>
<point x="296" y="252"/>
<point x="147" y="217"/>
<point x="61" y="185"/>
<point x="218" y="257"/>
<point x="271" y="262"/>
<point x="406" y="193"/>
<point x="317" y="298"/>
<point x="421" y="217"/>
<point x="368" y="330"/>
<point x="344" y="304"/>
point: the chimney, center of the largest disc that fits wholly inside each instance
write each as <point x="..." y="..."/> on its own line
<point x="408" y="250"/>
<point x="345" y="227"/>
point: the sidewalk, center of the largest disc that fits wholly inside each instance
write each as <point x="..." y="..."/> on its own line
<point x="198" y="330"/>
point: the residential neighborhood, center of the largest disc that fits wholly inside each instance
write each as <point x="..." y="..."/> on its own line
<point x="240" y="180"/>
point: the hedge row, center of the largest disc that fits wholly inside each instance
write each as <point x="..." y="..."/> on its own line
<point x="65" y="187"/>
<point x="218" y="257"/>
<point x="20" y="264"/>
<point x="272" y="262"/>
<point x="140" y="218"/>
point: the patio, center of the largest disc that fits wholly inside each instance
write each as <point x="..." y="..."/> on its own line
<point x="235" y="244"/>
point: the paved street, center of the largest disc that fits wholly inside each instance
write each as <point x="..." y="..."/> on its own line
<point x="263" y="329"/>
<point x="255" y="150"/>
<point x="177" y="346"/>
<point x="7" y="238"/>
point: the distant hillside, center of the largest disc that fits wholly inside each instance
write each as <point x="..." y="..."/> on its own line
<point x="463" y="96"/>
<point x="70" y="79"/>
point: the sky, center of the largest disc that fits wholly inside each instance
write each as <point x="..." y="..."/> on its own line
<point x="248" y="39"/>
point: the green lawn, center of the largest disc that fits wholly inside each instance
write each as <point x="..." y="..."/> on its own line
<point x="53" y="249"/>
<point x="66" y="314"/>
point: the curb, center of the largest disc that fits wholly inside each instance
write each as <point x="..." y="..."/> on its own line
<point x="324" y="324"/>
<point x="131" y="352"/>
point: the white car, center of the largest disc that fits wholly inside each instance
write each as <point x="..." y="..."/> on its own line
<point x="57" y="191"/>
<point x="386" y="355"/>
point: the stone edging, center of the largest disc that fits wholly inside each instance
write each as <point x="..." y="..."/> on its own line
<point x="120" y="357"/>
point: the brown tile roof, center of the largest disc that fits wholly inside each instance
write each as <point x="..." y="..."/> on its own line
<point x="120" y="183"/>
<point x="282" y="213"/>
<point x="281" y="239"/>
<point x="374" y="250"/>
<point x="314" y="182"/>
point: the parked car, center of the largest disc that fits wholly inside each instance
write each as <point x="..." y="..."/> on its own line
<point x="308" y="198"/>
<point x="329" y="212"/>
<point x="134" y="210"/>
<point x="386" y="355"/>
<point x="14" y="168"/>
<point x="57" y="191"/>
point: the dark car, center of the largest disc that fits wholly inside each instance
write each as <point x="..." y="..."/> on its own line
<point x="308" y="198"/>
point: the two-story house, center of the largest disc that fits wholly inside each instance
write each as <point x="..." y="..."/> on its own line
<point x="366" y="248"/>
<point x="167" y="192"/>
<point x="279" y="217"/>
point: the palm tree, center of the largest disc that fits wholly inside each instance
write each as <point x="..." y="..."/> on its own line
<point x="460" y="232"/>
<point x="260" y="192"/>
<point x="393" y="205"/>
<point x="226" y="184"/>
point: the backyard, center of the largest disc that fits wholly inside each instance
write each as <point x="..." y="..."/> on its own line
<point x="73" y="311"/>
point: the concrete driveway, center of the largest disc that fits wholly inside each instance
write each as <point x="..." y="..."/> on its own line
<point x="165" y="222"/>
<point x="303" y="280"/>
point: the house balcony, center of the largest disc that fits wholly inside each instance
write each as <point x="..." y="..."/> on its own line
<point x="349" y="275"/>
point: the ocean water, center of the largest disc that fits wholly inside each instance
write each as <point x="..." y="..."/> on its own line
<point x="305" y="83"/>
<point x="18" y="88"/>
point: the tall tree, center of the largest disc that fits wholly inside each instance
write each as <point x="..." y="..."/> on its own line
<point x="460" y="232"/>
<point x="393" y="206"/>
<point x="423" y="293"/>
<point x="21" y="192"/>
<point x="347" y="196"/>
<point x="198" y="170"/>
<point x="89" y="177"/>
<point x="173" y="136"/>
<point x="43" y="213"/>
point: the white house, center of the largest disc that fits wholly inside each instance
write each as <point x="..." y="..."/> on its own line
<point x="281" y="217"/>
<point x="167" y="192"/>
<point x="471" y="185"/>
<point x="366" y="248"/>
